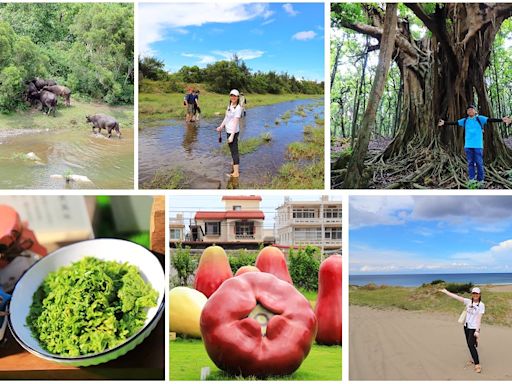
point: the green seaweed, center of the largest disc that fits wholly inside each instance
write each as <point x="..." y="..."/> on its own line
<point x="89" y="306"/>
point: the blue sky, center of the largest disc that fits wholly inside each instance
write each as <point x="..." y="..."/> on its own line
<point x="423" y="234"/>
<point x="283" y="37"/>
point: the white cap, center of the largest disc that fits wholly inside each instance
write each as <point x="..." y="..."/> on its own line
<point x="234" y="92"/>
<point x="475" y="290"/>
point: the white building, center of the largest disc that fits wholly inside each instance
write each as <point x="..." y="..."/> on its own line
<point x="315" y="222"/>
<point x="177" y="228"/>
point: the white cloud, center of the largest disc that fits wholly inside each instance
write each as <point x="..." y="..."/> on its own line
<point x="244" y="54"/>
<point x="368" y="211"/>
<point x="269" y="21"/>
<point x="304" y="35"/>
<point x="159" y="19"/>
<point x="288" y="8"/>
<point x="202" y="59"/>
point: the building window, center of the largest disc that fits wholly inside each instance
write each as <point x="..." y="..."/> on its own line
<point x="308" y="234"/>
<point x="175" y="234"/>
<point x="244" y="228"/>
<point x="332" y="213"/>
<point x="304" y="213"/>
<point x="237" y="207"/>
<point x="212" y="228"/>
<point x="333" y="233"/>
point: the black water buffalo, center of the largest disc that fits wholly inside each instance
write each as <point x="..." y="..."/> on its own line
<point x="102" y="121"/>
<point x="48" y="101"/>
<point x="40" y="83"/>
<point x="60" y="90"/>
<point x="31" y="90"/>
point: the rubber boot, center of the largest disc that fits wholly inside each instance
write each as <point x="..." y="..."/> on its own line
<point x="236" y="171"/>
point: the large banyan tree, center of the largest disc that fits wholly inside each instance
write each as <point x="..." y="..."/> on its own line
<point x="441" y="74"/>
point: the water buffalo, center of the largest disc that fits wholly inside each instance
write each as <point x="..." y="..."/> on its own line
<point x="48" y="101"/>
<point x="102" y="121"/>
<point x="60" y="90"/>
<point x="31" y="90"/>
<point x="39" y="83"/>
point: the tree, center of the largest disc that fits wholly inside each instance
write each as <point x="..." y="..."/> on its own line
<point x="152" y="68"/>
<point x="441" y="74"/>
<point x="387" y="43"/>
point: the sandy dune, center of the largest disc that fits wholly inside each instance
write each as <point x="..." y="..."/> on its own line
<point x="404" y="345"/>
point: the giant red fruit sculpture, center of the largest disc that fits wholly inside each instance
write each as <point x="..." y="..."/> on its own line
<point x="245" y="269"/>
<point x="272" y="260"/>
<point x="257" y="325"/>
<point x="328" y="304"/>
<point x="213" y="269"/>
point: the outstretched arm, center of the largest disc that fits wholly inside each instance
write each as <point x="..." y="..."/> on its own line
<point x="507" y="120"/>
<point x="452" y="295"/>
<point x="442" y="122"/>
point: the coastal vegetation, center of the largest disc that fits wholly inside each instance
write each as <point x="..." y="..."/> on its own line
<point x="428" y="298"/>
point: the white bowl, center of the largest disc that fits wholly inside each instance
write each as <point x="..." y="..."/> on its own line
<point x="104" y="249"/>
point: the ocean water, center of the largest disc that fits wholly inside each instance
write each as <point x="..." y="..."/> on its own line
<point x="419" y="279"/>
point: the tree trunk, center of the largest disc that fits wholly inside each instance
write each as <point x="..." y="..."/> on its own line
<point x="358" y="94"/>
<point x="336" y="59"/>
<point x="354" y="178"/>
<point x="441" y="74"/>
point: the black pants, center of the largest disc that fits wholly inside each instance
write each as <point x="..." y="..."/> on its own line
<point x="472" y="343"/>
<point x="233" y="148"/>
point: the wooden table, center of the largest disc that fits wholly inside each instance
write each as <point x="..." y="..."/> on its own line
<point x="145" y="362"/>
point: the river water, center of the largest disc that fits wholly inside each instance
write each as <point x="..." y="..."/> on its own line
<point x="194" y="147"/>
<point x="107" y="163"/>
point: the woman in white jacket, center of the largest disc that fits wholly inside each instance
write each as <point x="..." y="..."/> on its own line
<point x="232" y="124"/>
<point x="474" y="311"/>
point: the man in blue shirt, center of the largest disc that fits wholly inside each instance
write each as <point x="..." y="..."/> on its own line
<point x="473" y="125"/>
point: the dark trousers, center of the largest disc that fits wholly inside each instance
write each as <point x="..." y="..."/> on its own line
<point x="472" y="343"/>
<point x="233" y="148"/>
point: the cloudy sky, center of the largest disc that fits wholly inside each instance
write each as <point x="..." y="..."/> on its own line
<point x="277" y="36"/>
<point x="421" y="234"/>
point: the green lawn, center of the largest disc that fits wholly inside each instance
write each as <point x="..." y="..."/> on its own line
<point x="67" y="117"/>
<point x="187" y="357"/>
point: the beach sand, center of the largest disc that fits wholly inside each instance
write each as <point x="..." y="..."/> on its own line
<point x="405" y="345"/>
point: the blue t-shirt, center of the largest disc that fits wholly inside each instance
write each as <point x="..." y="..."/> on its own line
<point x="474" y="134"/>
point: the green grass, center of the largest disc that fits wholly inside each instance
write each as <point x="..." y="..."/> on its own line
<point x="187" y="357"/>
<point x="67" y="117"/>
<point x="171" y="178"/>
<point x="248" y="145"/>
<point x="427" y="298"/>
<point x="160" y="106"/>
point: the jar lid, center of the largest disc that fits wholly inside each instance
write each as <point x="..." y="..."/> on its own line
<point x="10" y="226"/>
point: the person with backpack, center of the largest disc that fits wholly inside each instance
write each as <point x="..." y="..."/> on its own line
<point x="232" y="124"/>
<point x="190" y="101"/>
<point x="473" y="125"/>
<point x="197" y="109"/>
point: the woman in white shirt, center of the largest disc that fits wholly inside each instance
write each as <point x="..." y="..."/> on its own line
<point x="474" y="311"/>
<point x="232" y="124"/>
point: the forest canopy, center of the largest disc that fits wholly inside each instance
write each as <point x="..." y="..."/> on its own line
<point x="86" y="47"/>
<point x="223" y="76"/>
<point x="446" y="57"/>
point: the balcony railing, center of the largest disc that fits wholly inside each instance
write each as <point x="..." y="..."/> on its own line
<point x="245" y="237"/>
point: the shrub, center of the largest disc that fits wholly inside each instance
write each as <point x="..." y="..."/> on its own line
<point x="184" y="264"/>
<point x="303" y="265"/>
<point x="241" y="258"/>
<point x="459" y="287"/>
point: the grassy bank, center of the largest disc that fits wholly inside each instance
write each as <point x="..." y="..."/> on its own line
<point x="305" y="166"/>
<point x="427" y="298"/>
<point x="161" y="106"/>
<point x="187" y="357"/>
<point x="66" y="117"/>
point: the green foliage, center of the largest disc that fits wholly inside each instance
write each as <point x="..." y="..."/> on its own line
<point x="184" y="263"/>
<point x="104" y="303"/>
<point x="151" y="68"/>
<point x="171" y="178"/>
<point x="86" y="47"/>
<point x="459" y="287"/>
<point x="303" y="265"/>
<point x="241" y="258"/>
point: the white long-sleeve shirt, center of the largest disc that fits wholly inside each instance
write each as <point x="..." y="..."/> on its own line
<point x="232" y="119"/>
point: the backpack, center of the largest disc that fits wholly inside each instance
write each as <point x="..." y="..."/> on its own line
<point x="190" y="98"/>
<point x="477" y="119"/>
